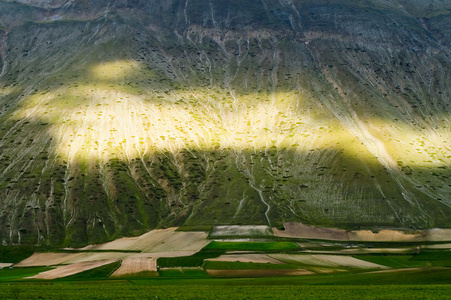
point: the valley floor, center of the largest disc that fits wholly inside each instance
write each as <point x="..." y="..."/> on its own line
<point x="172" y="264"/>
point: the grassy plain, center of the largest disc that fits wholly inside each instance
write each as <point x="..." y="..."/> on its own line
<point x="258" y="288"/>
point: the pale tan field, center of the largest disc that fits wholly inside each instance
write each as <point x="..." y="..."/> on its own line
<point x="349" y="261"/>
<point x="96" y="256"/>
<point x="145" y="262"/>
<point x="159" y="240"/>
<point x="298" y="230"/>
<point x="375" y="250"/>
<point x="322" y="260"/>
<point x="439" y="246"/>
<point x="5" y="265"/>
<point x="68" y="270"/>
<point x="438" y="235"/>
<point x="258" y="273"/>
<point x="48" y="259"/>
<point x="254" y="258"/>
<point x="134" y="265"/>
<point x="385" y="236"/>
<point x="236" y="230"/>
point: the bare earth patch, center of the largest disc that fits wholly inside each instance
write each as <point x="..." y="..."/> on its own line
<point x="5" y="265"/>
<point x="68" y="270"/>
<point x="159" y="240"/>
<point x="258" y="273"/>
<point x="48" y="259"/>
<point x="254" y="258"/>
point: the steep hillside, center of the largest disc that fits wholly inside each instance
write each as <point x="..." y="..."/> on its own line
<point x="121" y="116"/>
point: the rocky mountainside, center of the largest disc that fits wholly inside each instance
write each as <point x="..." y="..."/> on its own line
<point x="117" y="117"/>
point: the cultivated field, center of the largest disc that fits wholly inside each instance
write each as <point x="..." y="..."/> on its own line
<point x="136" y="265"/>
<point x="159" y="240"/>
<point x="258" y="273"/>
<point x="254" y="258"/>
<point x="298" y="230"/>
<point x="72" y="269"/>
<point x="322" y="260"/>
<point x="236" y="231"/>
<point x="168" y="253"/>
<point x="48" y="259"/>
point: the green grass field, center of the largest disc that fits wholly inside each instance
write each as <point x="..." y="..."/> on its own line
<point x="18" y="273"/>
<point x="212" y="289"/>
<point x="424" y="259"/>
<point x="252" y="246"/>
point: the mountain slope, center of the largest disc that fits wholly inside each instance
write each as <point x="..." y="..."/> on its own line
<point x="121" y="116"/>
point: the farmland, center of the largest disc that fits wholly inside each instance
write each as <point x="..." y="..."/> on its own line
<point x="263" y="267"/>
<point x="276" y="288"/>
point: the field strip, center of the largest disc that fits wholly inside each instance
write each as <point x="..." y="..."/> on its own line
<point x="241" y="230"/>
<point x="165" y="254"/>
<point x="438" y="246"/>
<point x="134" y="265"/>
<point x="253" y="258"/>
<point x="327" y="261"/>
<point x="258" y="273"/>
<point x="158" y="240"/>
<point x="68" y="270"/>
<point x="309" y="260"/>
<point x="5" y="265"/>
<point x="349" y="261"/>
<point x="96" y="256"/>
<point x="376" y="250"/>
<point x="385" y="236"/>
<point x="399" y="270"/>
<point x="48" y="259"/>
<point x="298" y="230"/>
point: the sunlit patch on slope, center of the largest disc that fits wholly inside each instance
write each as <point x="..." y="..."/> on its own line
<point x="101" y="120"/>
